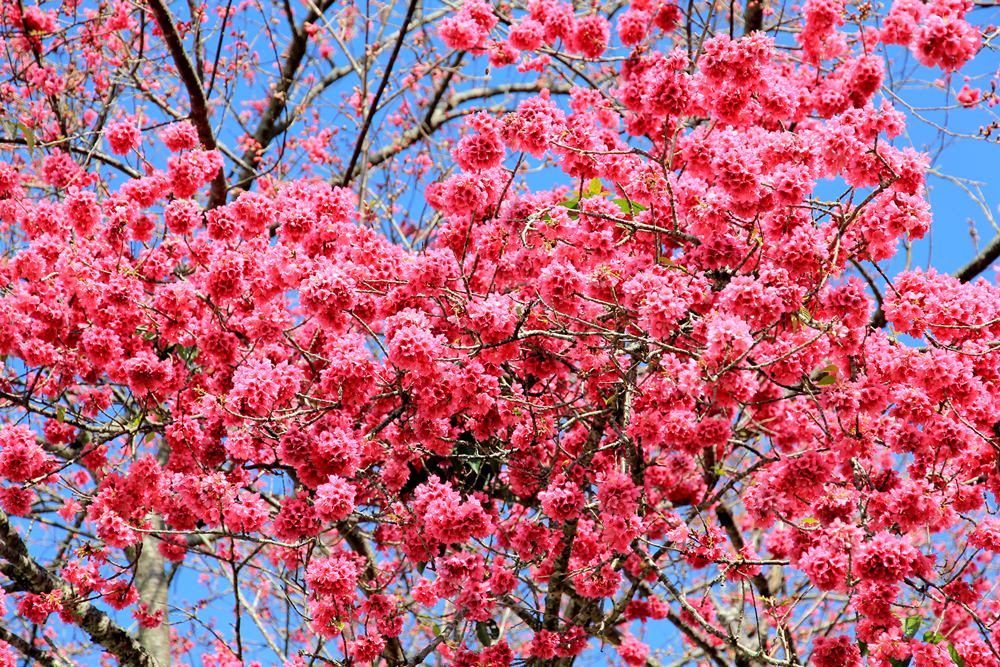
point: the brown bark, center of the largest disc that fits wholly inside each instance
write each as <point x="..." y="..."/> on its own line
<point x="151" y="581"/>
<point x="18" y="565"/>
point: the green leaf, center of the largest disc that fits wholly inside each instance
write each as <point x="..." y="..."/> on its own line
<point x="594" y="188"/>
<point x="933" y="637"/>
<point x="487" y="632"/>
<point x="628" y="207"/>
<point x="61" y="414"/>
<point x="421" y="566"/>
<point x="135" y="423"/>
<point x="826" y="376"/>
<point x="896" y="662"/>
<point x="476" y="464"/>
<point x="911" y="624"/>
<point x="809" y="521"/>
<point x="955" y="657"/>
<point x="29" y="135"/>
<point x="863" y="647"/>
<point x="572" y="203"/>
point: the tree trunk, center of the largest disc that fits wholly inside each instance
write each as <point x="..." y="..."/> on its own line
<point x="151" y="582"/>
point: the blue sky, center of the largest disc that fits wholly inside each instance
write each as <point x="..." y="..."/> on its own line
<point x="949" y="245"/>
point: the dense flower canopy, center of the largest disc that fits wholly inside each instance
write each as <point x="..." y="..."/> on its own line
<point x="656" y="392"/>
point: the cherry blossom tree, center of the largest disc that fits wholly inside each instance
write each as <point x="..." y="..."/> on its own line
<point x="487" y="335"/>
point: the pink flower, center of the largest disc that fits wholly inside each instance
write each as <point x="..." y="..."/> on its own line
<point x="590" y="36"/>
<point x="330" y="293"/>
<point x="255" y="387"/>
<point x="83" y="210"/>
<point x="839" y="651"/>
<point x="986" y="535"/>
<point x="146" y="619"/>
<point x="328" y="616"/>
<point x="179" y="136"/>
<point x="902" y="21"/>
<point x="225" y="277"/>
<point x="633" y="651"/>
<point x="562" y="500"/>
<point x="182" y="216"/>
<point x="123" y="136"/>
<point x="8" y="656"/>
<point x="617" y="494"/>
<point x="728" y="337"/>
<point x="527" y="35"/>
<point x="191" y="170"/>
<point x="946" y="41"/>
<point x="819" y="36"/>
<point x="17" y="500"/>
<point x="337" y="451"/>
<point x="120" y="594"/>
<point x="334" y="499"/>
<point x="146" y="373"/>
<point x="410" y="343"/>
<point x="469" y="28"/>
<point x="559" y="284"/>
<point x="334" y="576"/>
<point x="246" y="513"/>
<point x="968" y="97"/>
<point x="21" y="456"/>
<point x="887" y="559"/>
<point x="446" y="517"/>
<point x="36" y="608"/>
<point x="476" y="152"/>
<point x="531" y="127"/>
<point x="826" y="567"/>
<point x="632" y="26"/>
<point x="38" y="21"/>
<point x="295" y="520"/>
<point x="367" y="648"/>
<point x="668" y="16"/>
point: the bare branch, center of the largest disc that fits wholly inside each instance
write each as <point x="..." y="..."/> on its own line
<point x="196" y="94"/>
<point x="348" y="173"/>
<point x="19" y="566"/>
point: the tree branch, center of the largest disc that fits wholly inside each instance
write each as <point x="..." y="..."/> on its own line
<point x="95" y="154"/>
<point x="196" y="94"/>
<point x="24" y="647"/>
<point x="753" y="16"/>
<point x="966" y="274"/>
<point x="445" y="115"/>
<point x="20" y="567"/>
<point x="267" y="128"/>
<point x="760" y="582"/>
<point x="348" y="173"/>
<point x="980" y="262"/>
<point x="394" y="653"/>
